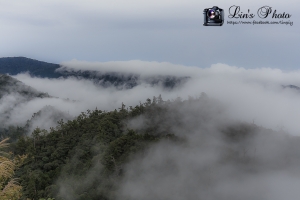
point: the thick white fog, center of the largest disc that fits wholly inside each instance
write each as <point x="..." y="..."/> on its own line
<point x="249" y="95"/>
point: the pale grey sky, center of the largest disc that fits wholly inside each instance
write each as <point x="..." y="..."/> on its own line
<point x="162" y="31"/>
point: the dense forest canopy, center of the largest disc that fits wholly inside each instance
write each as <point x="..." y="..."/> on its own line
<point x="184" y="149"/>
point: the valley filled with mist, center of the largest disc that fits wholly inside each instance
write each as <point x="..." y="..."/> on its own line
<point x="132" y="130"/>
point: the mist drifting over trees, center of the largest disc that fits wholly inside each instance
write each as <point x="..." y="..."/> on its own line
<point x="213" y="133"/>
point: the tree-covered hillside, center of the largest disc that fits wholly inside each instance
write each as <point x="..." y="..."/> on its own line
<point x="92" y="156"/>
<point x="9" y="85"/>
<point x="14" y="93"/>
<point x="69" y="151"/>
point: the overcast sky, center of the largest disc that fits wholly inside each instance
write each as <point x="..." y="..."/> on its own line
<point x="163" y="31"/>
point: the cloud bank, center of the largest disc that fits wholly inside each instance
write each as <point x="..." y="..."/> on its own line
<point x="249" y="94"/>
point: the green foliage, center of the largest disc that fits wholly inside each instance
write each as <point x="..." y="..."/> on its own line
<point x="85" y="158"/>
<point x="95" y="140"/>
<point x="13" y="132"/>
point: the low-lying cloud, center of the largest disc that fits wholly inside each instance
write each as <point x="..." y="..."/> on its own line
<point x="248" y="163"/>
<point x="250" y="95"/>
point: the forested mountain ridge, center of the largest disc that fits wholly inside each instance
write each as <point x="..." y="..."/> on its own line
<point x="14" y="94"/>
<point x="16" y="65"/>
<point x="9" y="85"/>
<point x="91" y="156"/>
<point x="72" y="149"/>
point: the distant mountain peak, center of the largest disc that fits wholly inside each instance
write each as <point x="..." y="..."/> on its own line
<point x="16" y="65"/>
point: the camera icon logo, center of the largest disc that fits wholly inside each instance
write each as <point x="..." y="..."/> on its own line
<point x="213" y="16"/>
